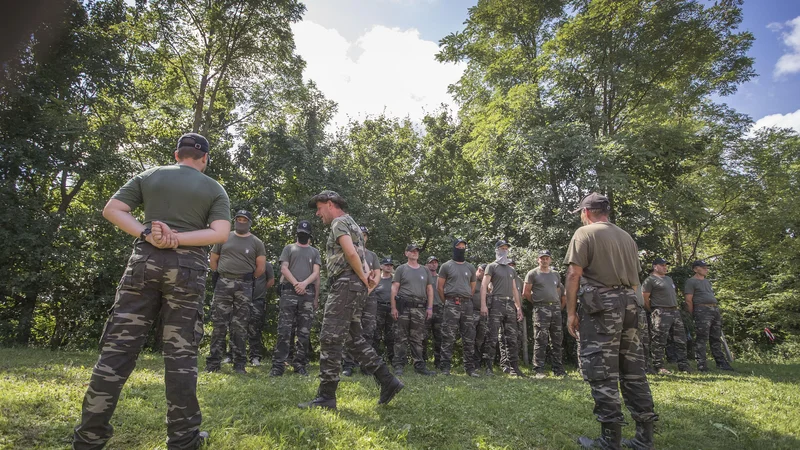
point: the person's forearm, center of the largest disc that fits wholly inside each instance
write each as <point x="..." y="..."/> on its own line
<point x="124" y="220"/>
<point x="287" y="275"/>
<point x="199" y="238"/>
<point x="573" y="284"/>
<point x="430" y="296"/>
<point x="355" y="263"/>
<point x="314" y="276"/>
<point x="260" y="269"/>
<point x="689" y="303"/>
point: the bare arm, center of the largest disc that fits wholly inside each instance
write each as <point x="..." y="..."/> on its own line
<point x="261" y="266"/>
<point x="517" y="301"/>
<point x="573" y="283"/>
<point x="270" y="282"/>
<point x="351" y="255"/>
<point x="216" y="234"/>
<point x="646" y="297"/>
<point x="484" y="287"/>
<point x="689" y="303"/>
<point x="393" y="299"/>
<point x="429" y="310"/>
<point x="471" y="288"/>
<point x="526" y="292"/>
<point x="287" y="275"/>
<point x="214" y="261"/>
<point x="440" y="288"/>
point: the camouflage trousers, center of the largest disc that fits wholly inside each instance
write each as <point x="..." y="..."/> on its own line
<point x="708" y="329"/>
<point x="341" y="329"/>
<point x="256" y="327"/>
<point x="502" y="319"/>
<point x="368" y="324"/>
<point x="409" y="331"/>
<point x="666" y="323"/>
<point x="644" y="336"/>
<point x="295" y="315"/>
<point x="458" y="320"/>
<point x="384" y="330"/>
<point x="230" y="307"/>
<point x="166" y="283"/>
<point x="612" y="357"/>
<point x="481" y="325"/>
<point x="505" y="353"/>
<point x="433" y="328"/>
<point x="547" y="329"/>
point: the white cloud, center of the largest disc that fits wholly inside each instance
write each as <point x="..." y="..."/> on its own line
<point x="791" y="120"/>
<point x="394" y="71"/>
<point x="789" y="62"/>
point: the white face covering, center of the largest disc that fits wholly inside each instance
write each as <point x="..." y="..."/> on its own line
<point x="502" y="256"/>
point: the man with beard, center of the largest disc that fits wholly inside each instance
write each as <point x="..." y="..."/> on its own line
<point x="505" y="310"/>
<point x="433" y="327"/>
<point x="543" y="289"/>
<point x="237" y="263"/>
<point x="368" y="315"/>
<point x="412" y="305"/>
<point x="456" y="285"/>
<point x="658" y="291"/>
<point x="603" y="262"/>
<point x="300" y="263"/>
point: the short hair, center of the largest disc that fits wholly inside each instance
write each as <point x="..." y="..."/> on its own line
<point x="190" y="152"/>
<point x="599" y="212"/>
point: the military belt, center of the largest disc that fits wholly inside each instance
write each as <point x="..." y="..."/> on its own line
<point x="457" y="300"/>
<point x="495" y="297"/>
<point x="232" y="276"/>
<point x="665" y="307"/>
<point x="414" y="302"/>
<point x="603" y="290"/>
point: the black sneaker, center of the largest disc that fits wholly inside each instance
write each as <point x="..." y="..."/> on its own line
<point x="702" y="369"/>
<point x="473" y="374"/>
<point x="239" y="368"/>
<point x="212" y="369"/>
<point x="445" y="372"/>
<point x="203" y="438"/>
<point x="726" y="367"/>
<point x="275" y="373"/>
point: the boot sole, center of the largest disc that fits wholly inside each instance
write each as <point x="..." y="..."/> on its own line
<point x="394" y="392"/>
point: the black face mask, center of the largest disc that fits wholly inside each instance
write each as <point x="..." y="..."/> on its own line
<point x="303" y="238"/>
<point x="241" y="228"/>
<point x="458" y="254"/>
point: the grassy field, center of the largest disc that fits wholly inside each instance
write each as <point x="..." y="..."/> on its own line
<point x="758" y="407"/>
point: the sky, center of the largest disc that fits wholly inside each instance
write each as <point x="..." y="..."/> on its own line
<point x="376" y="56"/>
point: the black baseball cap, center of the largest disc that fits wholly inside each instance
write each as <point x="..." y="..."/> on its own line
<point x="501" y="243"/>
<point x="245" y="214"/>
<point x="326" y="195"/>
<point x="387" y="261"/>
<point x="458" y="241"/>
<point x="410" y="247"/>
<point x="194" y="140"/>
<point x="594" y="201"/>
<point x="699" y="263"/>
<point x="304" y="226"/>
<point x="432" y="258"/>
<point x="544" y="253"/>
<point x="658" y="261"/>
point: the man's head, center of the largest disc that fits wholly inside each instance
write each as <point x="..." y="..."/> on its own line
<point x="365" y="233"/>
<point x="544" y="259"/>
<point x="412" y="252"/>
<point x="387" y="266"/>
<point x="459" y="250"/>
<point x="593" y="208"/>
<point x="512" y="264"/>
<point x="193" y="148"/>
<point x="432" y="263"/>
<point x="242" y="222"/>
<point x="700" y="267"/>
<point x="480" y="271"/>
<point x="501" y="248"/>
<point x="660" y="266"/>
<point x="329" y="205"/>
<point x="303" y="232"/>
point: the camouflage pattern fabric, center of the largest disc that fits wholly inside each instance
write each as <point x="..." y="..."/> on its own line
<point x="341" y="329"/>
<point x="384" y="330"/>
<point x="231" y="306"/>
<point x="612" y="358"/>
<point x="481" y="325"/>
<point x="505" y="361"/>
<point x="668" y="323"/>
<point x="296" y="313"/>
<point x="368" y="326"/>
<point x="502" y="319"/>
<point x="708" y="328"/>
<point x="170" y="283"/>
<point x="547" y="329"/>
<point x="644" y="336"/>
<point x="458" y="320"/>
<point x="409" y="331"/>
<point x="256" y="327"/>
<point x="433" y="328"/>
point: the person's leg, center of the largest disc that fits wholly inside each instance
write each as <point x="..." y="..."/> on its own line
<point x="678" y="331"/>
<point x="541" y="336"/>
<point x="416" y="336"/>
<point x="240" y="318"/>
<point x="467" y="330"/>
<point x="450" y="315"/>
<point x="221" y="310"/>
<point x="288" y="306"/>
<point x="702" y="327"/>
<point x="557" y="339"/>
<point x="401" y="331"/>
<point x="255" y="329"/>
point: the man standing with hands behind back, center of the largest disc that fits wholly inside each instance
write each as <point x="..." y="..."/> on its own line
<point x="184" y="211"/>
<point x="702" y="303"/>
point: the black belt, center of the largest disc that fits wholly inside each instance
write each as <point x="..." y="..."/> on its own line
<point x="670" y="308"/>
<point x="612" y="288"/>
<point x="230" y="276"/>
<point x="502" y="298"/>
<point x="457" y="300"/>
<point x="707" y="305"/>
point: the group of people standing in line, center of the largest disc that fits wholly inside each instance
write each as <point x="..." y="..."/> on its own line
<point x="371" y="304"/>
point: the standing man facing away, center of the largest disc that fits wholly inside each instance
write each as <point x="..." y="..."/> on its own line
<point x="505" y="310"/>
<point x="603" y="262"/>
<point x="384" y="329"/>
<point x="412" y="305"/>
<point x="370" y="311"/>
<point x="433" y="327"/>
<point x="341" y="322"/>
<point x="456" y="285"/>
<point x="300" y="263"/>
<point x="544" y="290"/>
<point x="658" y="291"/>
<point x="702" y="303"/>
<point x="237" y="263"/>
<point x="184" y="211"/>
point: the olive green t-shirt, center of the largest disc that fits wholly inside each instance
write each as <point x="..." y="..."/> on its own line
<point x="383" y="290"/>
<point x="178" y="195"/>
<point x="702" y="293"/>
<point x="413" y="282"/>
<point x="343" y="226"/>
<point x="260" y="285"/>
<point x="503" y="277"/>
<point x="373" y="262"/>
<point x="457" y="279"/>
<point x="238" y="254"/>
<point x="607" y="254"/>
<point x="476" y="296"/>
<point x="301" y="260"/>
<point x="662" y="291"/>
<point x="544" y="286"/>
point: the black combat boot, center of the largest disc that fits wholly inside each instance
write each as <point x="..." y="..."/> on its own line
<point x="517" y="372"/>
<point x="489" y="371"/>
<point x="389" y="384"/>
<point x="326" y="396"/>
<point x="643" y="439"/>
<point x="610" y="438"/>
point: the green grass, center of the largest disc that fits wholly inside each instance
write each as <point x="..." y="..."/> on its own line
<point x="41" y="391"/>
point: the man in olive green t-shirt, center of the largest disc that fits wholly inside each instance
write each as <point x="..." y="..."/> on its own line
<point x="237" y="263"/>
<point x="433" y="327"/>
<point x="658" y="292"/>
<point x="184" y="211"/>
<point x="544" y="290"/>
<point x="702" y="304"/>
<point x="455" y="285"/>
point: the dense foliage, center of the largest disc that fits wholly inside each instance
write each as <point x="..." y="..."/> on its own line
<point x="559" y="98"/>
